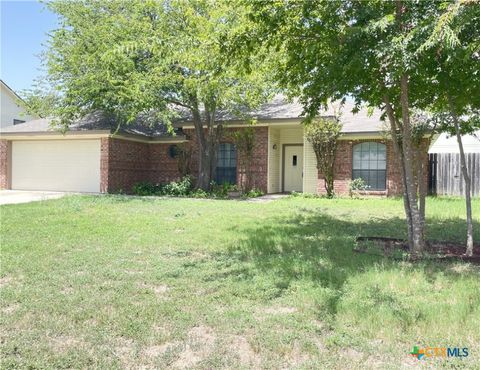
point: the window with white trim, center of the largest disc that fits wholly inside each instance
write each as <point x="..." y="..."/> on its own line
<point x="370" y="164"/>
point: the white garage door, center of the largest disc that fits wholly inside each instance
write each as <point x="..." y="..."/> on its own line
<point x="58" y="165"/>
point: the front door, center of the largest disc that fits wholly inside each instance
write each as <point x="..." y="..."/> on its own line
<point x="293" y="168"/>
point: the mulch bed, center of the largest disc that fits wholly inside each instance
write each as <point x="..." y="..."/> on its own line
<point x="437" y="250"/>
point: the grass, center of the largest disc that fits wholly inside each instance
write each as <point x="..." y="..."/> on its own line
<point x="121" y="282"/>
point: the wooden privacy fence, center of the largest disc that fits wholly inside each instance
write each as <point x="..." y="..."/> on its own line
<point x="445" y="173"/>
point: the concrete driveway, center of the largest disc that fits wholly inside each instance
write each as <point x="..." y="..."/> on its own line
<point x="24" y="196"/>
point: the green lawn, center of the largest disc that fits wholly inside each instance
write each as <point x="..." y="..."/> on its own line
<point x="112" y="281"/>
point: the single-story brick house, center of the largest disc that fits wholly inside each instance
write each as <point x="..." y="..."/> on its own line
<point x="95" y="156"/>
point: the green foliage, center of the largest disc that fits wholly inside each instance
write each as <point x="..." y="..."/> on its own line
<point x="184" y="159"/>
<point x="184" y="188"/>
<point x="372" y="52"/>
<point x="333" y="49"/>
<point x="244" y="140"/>
<point x="181" y="188"/>
<point x="450" y="58"/>
<point x="147" y="188"/>
<point x="253" y="193"/>
<point x="199" y="193"/>
<point x="42" y="100"/>
<point x="220" y="190"/>
<point x="323" y="135"/>
<point x="132" y="57"/>
<point x="355" y="186"/>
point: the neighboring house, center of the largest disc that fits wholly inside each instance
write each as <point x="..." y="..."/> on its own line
<point x="11" y="112"/>
<point x="445" y="172"/>
<point x="93" y="157"/>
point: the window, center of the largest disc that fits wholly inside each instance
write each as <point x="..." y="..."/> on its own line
<point x="370" y="164"/>
<point x="17" y="121"/>
<point x="294" y="160"/>
<point x="226" y="164"/>
<point x="173" y="151"/>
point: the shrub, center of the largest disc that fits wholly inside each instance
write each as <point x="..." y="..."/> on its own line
<point x="184" y="188"/>
<point x="220" y="190"/>
<point x="199" y="193"/>
<point x="323" y="135"/>
<point x="356" y="185"/>
<point x="180" y="188"/>
<point x="255" y="192"/>
<point x="146" y="188"/>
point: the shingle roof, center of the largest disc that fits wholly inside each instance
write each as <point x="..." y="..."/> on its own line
<point x="93" y="122"/>
<point x="276" y="110"/>
<point x="279" y="108"/>
<point x="359" y="122"/>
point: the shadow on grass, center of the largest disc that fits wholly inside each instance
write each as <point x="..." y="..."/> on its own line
<point x="319" y="247"/>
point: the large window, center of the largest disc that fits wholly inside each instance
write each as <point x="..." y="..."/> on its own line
<point x="226" y="164"/>
<point x="370" y="164"/>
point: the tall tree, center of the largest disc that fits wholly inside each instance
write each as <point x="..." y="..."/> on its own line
<point x="364" y="49"/>
<point x="451" y="59"/>
<point x="127" y="58"/>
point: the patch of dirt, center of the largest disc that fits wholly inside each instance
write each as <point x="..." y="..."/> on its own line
<point x="199" y="344"/>
<point x="437" y="250"/>
<point x="352" y="353"/>
<point x="64" y="343"/>
<point x="159" y="290"/>
<point x="280" y="310"/>
<point x="461" y="268"/>
<point x="320" y="345"/>
<point x="374" y="362"/>
<point x="8" y="310"/>
<point x="248" y="357"/>
<point x="133" y="272"/>
<point x="160" y="329"/>
<point x="5" y="280"/>
<point x="158" y="350"/>
<point x="296" y="358"/>
<point x="67" y="290"/>
<point x="124" y="350"/>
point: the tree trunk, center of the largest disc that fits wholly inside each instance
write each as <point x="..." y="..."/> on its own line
<point x="417" y="242"/>
<point x="207" y="140"/>
<point x="422" y="189"/>
<point x="398" y="151"/>
<point x="466" y="177"/>
<point x="418" y="245"/>
<point x="203" y="176"/>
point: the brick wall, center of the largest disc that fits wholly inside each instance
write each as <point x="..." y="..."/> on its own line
<point x="162" y="167"/>
<point x="343" y="169"/>
<point x="104" y="151"/>
<point x="124" y="163"/>
<point x="5" y="162"/>
<point x="259" y="160"/>
<point x="260" y="156"/>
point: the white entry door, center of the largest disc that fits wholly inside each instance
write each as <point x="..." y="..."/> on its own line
<point x="293" y="168"/>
